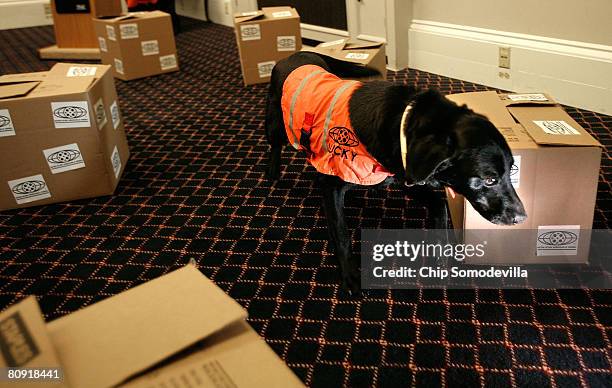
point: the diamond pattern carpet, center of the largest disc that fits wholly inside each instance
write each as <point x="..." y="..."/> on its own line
<point x="194" y="188"/>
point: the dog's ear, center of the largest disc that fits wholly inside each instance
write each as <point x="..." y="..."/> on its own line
<point x="427" y="156"/>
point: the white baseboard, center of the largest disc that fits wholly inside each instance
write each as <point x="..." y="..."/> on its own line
<point x="25" y="13"/>
<point x="576" y="73"/>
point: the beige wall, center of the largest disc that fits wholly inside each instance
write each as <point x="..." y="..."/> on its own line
<point x="579" y="20"/>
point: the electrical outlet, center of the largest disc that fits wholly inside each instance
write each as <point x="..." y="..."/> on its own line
<point x="504" y="74"/>
<point x="226" y="5"/>
<point x="47" y="11"/>
<point x="504" y="57"/>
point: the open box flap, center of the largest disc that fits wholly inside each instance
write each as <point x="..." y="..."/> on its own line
<point x="551" y="125"/>
<point x="526" y="99"/>
<point x="487" y="104"/>
<point x="234" y="357"/>
<point x="333" y="45"/>
<point x="360" y="44"/>
<point x="544" y="121"/>
<point x="106" y="343"/>
<point x="246" y="16"/>
<point x="24" y="77"/>
<point x="274" y="13"/>
<point x="55" y="86"/>
<point x="16" y="89"/>
<point x="357" y="57"/>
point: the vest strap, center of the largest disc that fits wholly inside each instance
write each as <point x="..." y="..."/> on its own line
<point x="295" y="142"/>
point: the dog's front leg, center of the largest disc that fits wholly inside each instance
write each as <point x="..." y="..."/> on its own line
<point x="340" y="238"/>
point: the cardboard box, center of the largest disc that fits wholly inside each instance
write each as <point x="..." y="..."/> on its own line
<point x="555" y="175"/>
<point x="179" y="330"/>
<point x="265" y="37"/>
<point x="137" y="45"/>
<point x="61" y="136"/>
<point x="368" y="57"/>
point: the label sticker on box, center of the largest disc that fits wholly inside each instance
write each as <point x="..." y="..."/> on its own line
<point x="110" y="33"/>
<point x="6" y="123"/>
<point x="70" y="114"/>
<point x="119" y="66"/>
<point x="360" y="56"/>
<point x="29" y="189"/>
<point x="167" y="62"/>
<point x="250" y="32"/>
<point x="281" y="14"/>
<point x="527" y="97"/>
<point x="252" y="13"/>
<point x="116" y="162"/>
<point x="102" y="44"/>
<point x="17" y="344"/>
<point x="128" y="31"/>
<point x="332" y="43"/>
<point x="515" y="172"/>
<point x="285" y="43"/>
<point x="556" y="127"/>
<point x="149" y="47"/>
<point x="100" y="114"/>
<point x="265" y="68"/>
<point x="558" y="240"/>
<point x="81" y="71"/>
<point x="115" y="117"/>
<point x="64" y="158"/>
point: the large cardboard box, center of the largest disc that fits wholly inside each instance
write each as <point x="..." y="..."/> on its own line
<point x="265" y="37"/>
<point x="137" y="45"/>
<point x="61" y="136"/>
<point x="179" y="330"/>
<point x="555" y="175"/>
<point x="369" y="58"/>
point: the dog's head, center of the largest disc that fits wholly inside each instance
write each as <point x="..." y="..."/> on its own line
<point x="450" y="145"/>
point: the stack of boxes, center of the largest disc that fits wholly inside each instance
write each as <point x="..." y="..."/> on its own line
<point x="137" y="45"/>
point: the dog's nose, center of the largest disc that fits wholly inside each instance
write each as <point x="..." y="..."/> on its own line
<point x="518" y="218"/>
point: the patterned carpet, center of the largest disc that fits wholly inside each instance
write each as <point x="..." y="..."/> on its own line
<point x="194" y="188"/>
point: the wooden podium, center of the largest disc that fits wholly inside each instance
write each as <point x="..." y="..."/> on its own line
<point x="74" y="32"/>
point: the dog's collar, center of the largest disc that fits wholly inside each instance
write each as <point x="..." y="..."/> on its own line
<point x="403" y="140"/>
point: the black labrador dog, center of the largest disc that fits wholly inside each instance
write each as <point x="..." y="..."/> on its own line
<point x="445" y="145"/>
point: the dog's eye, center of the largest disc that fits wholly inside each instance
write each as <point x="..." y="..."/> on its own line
<point x="490" y="181"/>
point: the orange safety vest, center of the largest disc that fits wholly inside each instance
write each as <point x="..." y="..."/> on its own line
<point x="315" y="107"/>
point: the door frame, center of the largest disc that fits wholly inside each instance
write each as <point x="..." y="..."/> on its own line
<point x="398" y="16"/>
